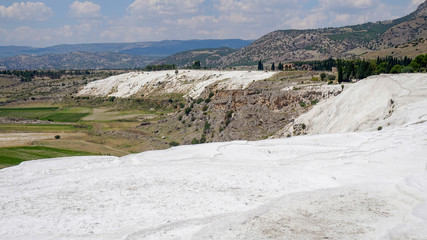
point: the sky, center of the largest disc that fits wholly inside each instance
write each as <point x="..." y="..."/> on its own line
<point x="50" y="22"/>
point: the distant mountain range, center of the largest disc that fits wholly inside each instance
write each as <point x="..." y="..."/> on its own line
<point x="103" y="55"/>
<point x="398" y="37"/>
<point x="77" y="60"/>
<point x="161" y="48"/>
<point x="209" y="57"/>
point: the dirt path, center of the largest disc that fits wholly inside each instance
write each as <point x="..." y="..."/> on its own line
<point x="20" y="139"/>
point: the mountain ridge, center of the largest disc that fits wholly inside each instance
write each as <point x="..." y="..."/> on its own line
<point x="156" y="48"/>
<point x="343" y="42"/>
<point x="77" y="60"/>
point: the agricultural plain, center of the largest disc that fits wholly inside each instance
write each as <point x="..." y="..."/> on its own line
<point x="59" y="117"/>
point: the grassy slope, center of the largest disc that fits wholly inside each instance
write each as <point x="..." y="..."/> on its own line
<point x="30" y="113"/>
<point x="15" y="155"/>
<point x="48" y="113"/>
<point x="411" y="50"/>
<point x="117" y="136"/>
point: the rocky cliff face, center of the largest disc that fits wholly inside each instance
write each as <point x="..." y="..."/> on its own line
<point x="409" y="28"/>
<point x="254" y="113"/>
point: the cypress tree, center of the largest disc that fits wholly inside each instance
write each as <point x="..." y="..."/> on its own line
<point x="340" y="71"/>
<point x="260" y="65"/>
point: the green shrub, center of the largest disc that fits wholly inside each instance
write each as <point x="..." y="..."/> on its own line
<point x="302" y="104"/>
<point x="407" y="69"/>
<point x="57" y="137"/>
<point x="205" y="108"/>
<point x="173" y="144"/>
<point x="380" y="128"/>
<point x="303" y="126"/>
<point x="207" y="126"/>
<point x="187" y="111"/>
<point x="323" y="76"/>
<point x="396" y="69"/>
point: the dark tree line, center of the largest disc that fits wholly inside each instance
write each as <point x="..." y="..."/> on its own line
<point x="362" y="68"/>
<point x="28" y="75"/>
<point x="160" y="67"/>
<point x="319" y="65"/>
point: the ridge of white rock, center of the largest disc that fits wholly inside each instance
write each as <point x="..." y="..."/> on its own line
<point x="191" y="83"/>
<point x="355" y="185"/>
<point x="378" y="101"/>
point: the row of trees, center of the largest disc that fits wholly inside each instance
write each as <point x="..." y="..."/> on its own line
<point x="280" y="66"/>
<point x="160" y="67"/>
<point x="358" y="69"/>
<point x="28" y="75"/>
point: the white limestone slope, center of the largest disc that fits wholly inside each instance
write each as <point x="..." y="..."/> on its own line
<point x="385" y="100"/>
<point x="191" y="83"/>
<point x="356" y="185"/>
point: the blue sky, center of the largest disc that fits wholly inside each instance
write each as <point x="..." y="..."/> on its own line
<point x="49" y="22"/>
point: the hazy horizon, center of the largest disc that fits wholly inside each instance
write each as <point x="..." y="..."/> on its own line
<point x="45" y="23"/>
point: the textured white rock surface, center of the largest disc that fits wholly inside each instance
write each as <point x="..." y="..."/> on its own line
<point x="191" y="83"/>
<point x="354" y="185"/>
<point x="384" y="100"/>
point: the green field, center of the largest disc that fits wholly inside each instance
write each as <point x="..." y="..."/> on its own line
<point x="30" y="113"/>
<point x="15" y="155"/>
<point x="54" y="114"/>
<point x="41" y="128"/>
<point x="64" y="117"/>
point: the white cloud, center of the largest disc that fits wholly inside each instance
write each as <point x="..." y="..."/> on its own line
<point x="165" y="7"/>
<point x="331" y="4"/>
<point x="254" y="6"/>
<point x="337" y="13"/>
<point x="417" y="2"/>
<point x="26" y="35"/>
<point x="309" y="21"/>
<point x="122" y="33"/>
<point x="85" y="9"/>
<point x="34" y="11"/>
